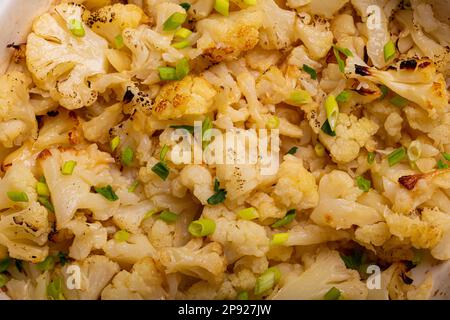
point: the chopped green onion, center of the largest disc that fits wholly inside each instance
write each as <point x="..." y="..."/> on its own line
<point x="396" y="156"/>
<point x="182" y="44"/>
<point x="19" y="265"/>
<point x="161" y="170"/>
<point x="118" y="41"/>
<point x="299" y="97"/>
<point x="133" y="186"/>
<point x="17" y="196"/>
<point x="399" y="101"/>
<point x="42" y="179"/>
<point x="248" y="214"/>
<point x="46" y="265"/>
<point x="267" y="280"/>
<point x="186" y="6"/>
<point x="182" y="69"/>
<point x="4" y="264"/>
<point x="389" y="50"/>
<point x="114" y="143"/>
<point x="243" y="295"/>
<point x="190" y="129"/>
<point x="446" y="156"/>
<point x="279" y="238"/>
<point x="273" y="122"/>
<point x="384" y="91"/>
<point x="288" y="218"/>
<point x="183" y="33"/>
<point x="3" y="280"/>
<point x="219" y="196"/>
<point x="310" y="71"/>
<point x="107" y="192"/>
<point x="42" y="189"/>
<point x="353" y="261"/>
<point x="343" y="96"/>
<point x="149" y="214"/>
<point x="250" y="2"/>
<point x="202" y="227"/>
<point x="222" y="7"/>
<point x="418" y="257"/>
<point x="207" y="125"/>
<point x="127" y="156"/>
<point x="174" y="21"/>
<point x="414" y="150"/>
<point x="62" y="258"/>
<point x="442" y="165"/>
<point x="121" y="236"/>
<point x="327" y="129"/>
<point x="292" y="150"/>
<point x="332" y="294"/>
<point x="332" y="110"/>
<point x="319" y="150"/>
<point x="337" y="50"/>
<point x="54" y="290"/>
<point x="76" y="28"/>
<point x="46" y="203"/>
<point x="168" y="217"/>
<point x="167" y="73"/>
<point x="68" y="167"/>
<point x="370" y="157"/>
<point x="363" y="183"/>
<point x="163" y="152"/>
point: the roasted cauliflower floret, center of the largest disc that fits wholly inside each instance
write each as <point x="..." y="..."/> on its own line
<point x="62" y="63"/>
<point x="188" y="97"/>
<point x="316" y="36"/>
<point x="136" y="247"/>
<point x="238" y="237"/>
<point x="195" y="260"/>
<point x="199" y="180"/>
<point x="337" y="206"/>
<point x="326" y="272"/>
<point x="225" y="38"/>
<point x="415" y="79"/>
<point x="96" y="272"/>
<point x="144" y="281"/>
<point x="88" y="237"/>
<point x="352" y="134"/>
<point x="110" y="21"/>
<point x="296" y="187"/>
<point x="73" y="192"/>
<point x="17" y="119"/>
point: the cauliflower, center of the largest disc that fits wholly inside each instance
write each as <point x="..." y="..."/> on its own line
<point x="296" y="187"/>
<point x="72" y="192"/>
<point x="18" y="178"/>
<point x="97" y="128"/>
<point x="437" y="129"/>
<point x="316" y="37"/>
<point x="277" y="30"/>
<point x="17" y="119"/>
<point x="198" y="179"/>
<point x="265" y="205"/>
<point x="195" y="260"/>
<point x="144" y="281"/>
<point x="351" y="135"/>
<point x="373" y="234"/>
<point x="188" y="97"/>
<point x="310" y="234"/>
<point x="110" y="21"/>
<point x="326" y="9"/>
<point x="225" y="38"/>
<point x="337" y="206"/>
<point x="88" y="237"/>
<point x="130" y="217"/>
<point x="96" y="273"/>
<point x="238" y="237"/>
<point x="25" y="232"/>
<point x="149" y="51"/>
<point x="326" y="272"/>
<point x="272" y="87"/>
<point x="130" y="251"/>
<point x="62" y="63"/>
<point x="413" y="78"/>
<point x="29" y="289"/>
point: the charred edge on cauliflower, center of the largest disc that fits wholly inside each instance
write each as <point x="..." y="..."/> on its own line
<point x="410" y="181"/>
<point x="44" y="154"/>
<point x="362" y="70"/>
